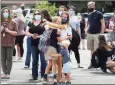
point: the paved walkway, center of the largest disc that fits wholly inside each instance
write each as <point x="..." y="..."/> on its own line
<point x="20" y="75"/>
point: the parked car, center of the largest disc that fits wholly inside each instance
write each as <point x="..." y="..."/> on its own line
<point x="107" y="16"/>
<point x="85" y="15"/>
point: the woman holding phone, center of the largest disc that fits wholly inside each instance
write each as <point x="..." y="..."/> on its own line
<point x="8" y="33"/>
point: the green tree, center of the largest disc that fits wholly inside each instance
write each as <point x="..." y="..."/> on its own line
<point x="44" y="4"/>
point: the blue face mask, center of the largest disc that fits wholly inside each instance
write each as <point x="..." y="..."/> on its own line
<point x="37" y="17"/>
<point x="5" y="15"/>
<point x="60" y="13"/>
<point x="64" y="20"/>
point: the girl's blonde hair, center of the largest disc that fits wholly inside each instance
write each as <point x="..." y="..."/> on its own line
<point x="20" y="15"/>
<point x="55" y="18"/>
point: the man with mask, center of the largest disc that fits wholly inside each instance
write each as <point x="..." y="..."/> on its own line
<point x="23" y="9"/>
<point x="96" y="25"/>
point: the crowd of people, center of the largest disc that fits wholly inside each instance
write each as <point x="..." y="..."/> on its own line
<point x="52" y="38"/>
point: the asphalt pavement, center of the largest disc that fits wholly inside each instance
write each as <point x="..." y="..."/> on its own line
<point x="19" y="75"/>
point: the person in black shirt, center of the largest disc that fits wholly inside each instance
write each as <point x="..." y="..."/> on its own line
<point x="104" y="53"/>
<point x="36" y="29"/>
<point x="96" y="26"/>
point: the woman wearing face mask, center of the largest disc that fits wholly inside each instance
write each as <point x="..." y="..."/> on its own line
<point x="21" y="24"/>
<point x="8" y="33"/>
<point x="61" y="10"/>
<point x="36" y="28"/>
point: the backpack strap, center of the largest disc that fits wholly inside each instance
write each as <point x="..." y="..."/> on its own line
<point x="42" y="24"/>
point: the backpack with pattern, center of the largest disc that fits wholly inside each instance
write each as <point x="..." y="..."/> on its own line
<point x="44" y="41"/>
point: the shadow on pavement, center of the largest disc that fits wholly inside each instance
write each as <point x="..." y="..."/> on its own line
<point x="102" y="73"/>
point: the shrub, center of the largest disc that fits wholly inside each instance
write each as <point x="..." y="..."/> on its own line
<point x="44" y="4"/>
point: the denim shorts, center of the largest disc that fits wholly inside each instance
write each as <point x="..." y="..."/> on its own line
<point x="67" y="67"/>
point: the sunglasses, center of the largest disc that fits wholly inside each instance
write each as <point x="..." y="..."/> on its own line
<point x="37" y="14"/>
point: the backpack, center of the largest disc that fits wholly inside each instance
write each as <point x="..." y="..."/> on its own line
<point x="44" y="41"/>
<point x="95" y="61"/>
<point x="75" y="40"/>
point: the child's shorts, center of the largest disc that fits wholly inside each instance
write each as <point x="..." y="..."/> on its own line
<point x="67" y="67"/>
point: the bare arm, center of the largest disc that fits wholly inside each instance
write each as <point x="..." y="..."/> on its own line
<point x="2" y="28"/>
<point x="86" y="24"/>
<point x="14" y="33"/>
<point x="28" y="33"/>
<point x="108" y="30"/>
<point x="102" y="25"/>
<point x="79" y="31"/>
<point x="56" y="26"/>
<point x="86" y="29"/>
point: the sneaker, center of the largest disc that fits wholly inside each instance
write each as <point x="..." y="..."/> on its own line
<point x="5" y="76"/>
<point x="19" y="58"/>
<point x="44" y="79"/>
<point x="83" y="49"/>
<point x="60" y="83"/>
<point x="26" y="67"/>
<point x="41" y="79"/>
<point x="8" y="75"/>
<point x="55" y="80"/>
<point x="80" y="67"/>
<point x="90" y="67"/>
<point x="31" y="79"/>
<point x="68" y="83"/>
<point x="63" y="83"/>
<point x="14" y="59"/>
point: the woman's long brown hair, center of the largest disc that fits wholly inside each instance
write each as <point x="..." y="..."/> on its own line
<point x="103" y="43"/>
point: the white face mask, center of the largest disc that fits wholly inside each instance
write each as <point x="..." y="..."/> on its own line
<point x="60" y="13"/>
<point x="37" y="17"/>
<point x="71" y="12"/>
